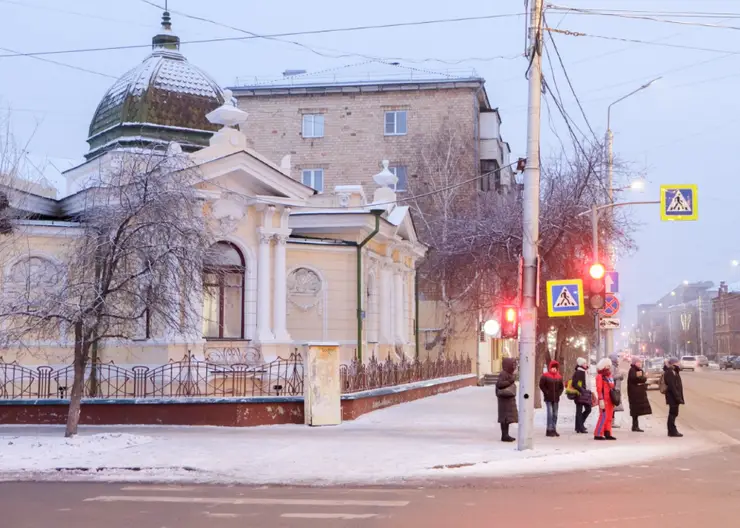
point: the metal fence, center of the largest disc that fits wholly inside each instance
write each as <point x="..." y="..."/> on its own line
<point x="192" y="377"/>
<point x="189" y="377"/>
<point x="357" y="377"/>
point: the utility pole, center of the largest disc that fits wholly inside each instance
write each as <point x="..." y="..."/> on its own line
<point x="530" y="238"/>
<point x="609" y="334"/>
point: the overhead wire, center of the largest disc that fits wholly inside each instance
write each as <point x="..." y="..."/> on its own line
<point x="324" y="31"/>
<point x="581" y="11"/>
<point x="64" y="64"/>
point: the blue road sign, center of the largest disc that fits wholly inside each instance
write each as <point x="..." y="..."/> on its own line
<point x="611" y="280"/>
<point x="565" y="298"/>
<point x="678" y="202"/>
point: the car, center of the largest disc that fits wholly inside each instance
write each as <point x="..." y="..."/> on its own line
<point x="713" y="365"/>
<point x="653" y="369"/>
<point x="689" y="363"/>
<point x="725" y="363"/>
<point x="736" y="363"/>
<point x="703" y="361"/>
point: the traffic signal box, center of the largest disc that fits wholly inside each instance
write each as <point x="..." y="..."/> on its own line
<point x="509" y="322"/>
<point x="596" y="286"/>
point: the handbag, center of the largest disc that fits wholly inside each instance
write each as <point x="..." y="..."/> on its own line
<point x="508" y="392"/>
<point x="585" y="398"/>
<point x="615" y="395"/>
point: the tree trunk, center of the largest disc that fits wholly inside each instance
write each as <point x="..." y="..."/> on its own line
<point x="94" y="370"/>
<point x="78" y="384"/>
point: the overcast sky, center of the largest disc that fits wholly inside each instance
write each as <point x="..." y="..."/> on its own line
<point x="683" y="129"/>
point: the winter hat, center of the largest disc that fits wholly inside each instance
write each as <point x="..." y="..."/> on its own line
<point x="604" y="364"/>
<point x="581" y="362"/>
<point x="508" y="365"/>
<point x="554" y="364"/>
<point x="614" y="357"/>
<point x="636" y="360"/>
<point x="673" y="361"/>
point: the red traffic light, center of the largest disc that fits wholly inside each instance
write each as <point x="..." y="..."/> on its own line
<point x="510" y="322"/>
<point x="597" y="271"/>
<point x="510" y="314"/>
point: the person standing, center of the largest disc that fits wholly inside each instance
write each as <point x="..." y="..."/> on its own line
<point x="506" y="394"/>
<point x="637" y="394"/>
<point x="604" y="386"/>
<point x="673" y="394"/>
<point x="584" y="398"/>
<point x="552" y="387"/>
<point x="617" y="376"/>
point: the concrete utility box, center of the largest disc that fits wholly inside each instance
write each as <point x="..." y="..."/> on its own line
<point x="321" y="384"/>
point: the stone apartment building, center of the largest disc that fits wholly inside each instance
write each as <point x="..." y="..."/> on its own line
<point x="726" y="309"/>
<point x="335" y="132"/>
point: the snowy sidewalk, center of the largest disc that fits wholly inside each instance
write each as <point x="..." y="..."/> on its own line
<point x="447" y="436"/>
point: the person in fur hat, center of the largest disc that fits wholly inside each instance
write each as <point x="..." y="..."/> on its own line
<point x="583" y="400"/>
<point x="604" y="385"/>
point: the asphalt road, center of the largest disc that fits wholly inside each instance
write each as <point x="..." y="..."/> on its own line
<point x="701" y="490"/>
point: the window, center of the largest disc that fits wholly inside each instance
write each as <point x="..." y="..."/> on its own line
<point x="403" y="180"/>
<point x="223" y="293"/>
<point x="490" y="176"/>
<point x="313" y="125"/>
<point x="314" y="178"/>
<point x="395" y="123"/>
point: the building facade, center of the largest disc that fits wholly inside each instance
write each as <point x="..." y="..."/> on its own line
<point x="726" y="310"/>
<point x="301" y="266"/>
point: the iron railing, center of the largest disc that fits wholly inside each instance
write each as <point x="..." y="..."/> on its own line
<point x="357" y="377"/>
<point x="189" y="377"/>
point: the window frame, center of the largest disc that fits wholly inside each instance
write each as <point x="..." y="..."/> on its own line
<point x="395" y="123"/>
<point x="221" y="272"/>
<point x="312" y="119"/>
<point x="313" y="178"/>
<point x="394" y="170"/>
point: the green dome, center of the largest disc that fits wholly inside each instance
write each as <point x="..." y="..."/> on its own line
<point x="163" y="99"/>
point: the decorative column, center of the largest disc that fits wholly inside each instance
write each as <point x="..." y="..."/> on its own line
<point x="280" y="314"/>
<point x="386" y="303"/>
<point x="263" y="288"/>
<point x="398" y="323"/>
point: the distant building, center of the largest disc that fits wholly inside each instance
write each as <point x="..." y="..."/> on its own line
<point x="335" y="130"/>
<point x="726" y="310"/>
<point x="679" y="323"/>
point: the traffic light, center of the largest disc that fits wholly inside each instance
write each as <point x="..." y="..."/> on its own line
<point x="597" y="286"/>
<point x="509" y="322"/>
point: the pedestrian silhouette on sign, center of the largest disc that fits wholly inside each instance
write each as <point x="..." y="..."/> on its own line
<point x="565" y="299"/>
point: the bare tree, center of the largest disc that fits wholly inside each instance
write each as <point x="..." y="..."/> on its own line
<point x="133" y="263"/>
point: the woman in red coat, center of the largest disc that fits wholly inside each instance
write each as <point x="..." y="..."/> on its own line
<point x="604" y="385"/>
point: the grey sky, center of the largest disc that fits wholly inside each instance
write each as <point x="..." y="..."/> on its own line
<point x="680" y="129"/>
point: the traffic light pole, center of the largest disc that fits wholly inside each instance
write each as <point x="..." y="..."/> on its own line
<point x="530" y="238"/>
<point x="594" y="211"/>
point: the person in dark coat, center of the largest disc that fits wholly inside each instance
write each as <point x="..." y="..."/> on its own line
<point x="584" y="398"/>
<point x="506" y="394"/>
<point x="673" y="394"/>
<point x="637" y="394"/>
<point x="552" y="387"/>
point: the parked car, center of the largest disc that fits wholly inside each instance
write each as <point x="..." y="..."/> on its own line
<point x="736" y="363"/>
<point x="653" y="371"/>
<point x="713" y="365"/>
<point x="703" y="361"/>
<point x="689" y="363"/>
<point x="725" y="363"/>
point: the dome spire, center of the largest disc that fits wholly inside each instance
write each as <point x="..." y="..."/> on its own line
<point x="165" y="39"/>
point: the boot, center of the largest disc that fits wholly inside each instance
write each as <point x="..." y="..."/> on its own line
<point x="608" y="435"/>
<point x="505" y="437"/>
<point x="599" y="438"/>
<point x="636" y="426"/>
<point x="550" y="433"/>
<point x="675" y="434"/>
<point x="555" y="433"/>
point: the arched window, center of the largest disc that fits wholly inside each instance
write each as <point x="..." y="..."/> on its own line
<point x="223" y="293"/>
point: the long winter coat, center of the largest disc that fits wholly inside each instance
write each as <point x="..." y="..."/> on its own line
<point x="551" y="385"/>
<point x="637" y="392"/>
<point x="617" y="376"/>
<point x="506" y="393"/>
<point x="674" y="386"/>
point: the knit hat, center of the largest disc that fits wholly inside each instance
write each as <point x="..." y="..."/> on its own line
<point x="581" y="362"/>
<point x="614" y="357"/>
<point x="673" y="361"/>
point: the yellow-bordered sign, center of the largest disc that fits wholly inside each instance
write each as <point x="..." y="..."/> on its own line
<point x="678" y="202"/>
<point x="565" y="298"/>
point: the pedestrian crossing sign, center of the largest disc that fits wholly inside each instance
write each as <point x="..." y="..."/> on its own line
<point x="678" y="202"/>
<point x="565" y="298"/>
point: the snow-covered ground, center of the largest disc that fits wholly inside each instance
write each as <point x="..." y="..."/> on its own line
<point x="446" y="436"/>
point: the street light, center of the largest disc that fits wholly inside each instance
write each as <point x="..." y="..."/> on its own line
<point x="637" y="185"/>
<point x="735" y="263"/>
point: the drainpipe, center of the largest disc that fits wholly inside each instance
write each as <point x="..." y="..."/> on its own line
<point x="416" y="310"/>
<point x="376" y="213"/>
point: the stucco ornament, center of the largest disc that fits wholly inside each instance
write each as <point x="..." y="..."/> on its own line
<point x="228" y="213"/>
<point x="33" y="278"/>
<point x="304" y="289"/>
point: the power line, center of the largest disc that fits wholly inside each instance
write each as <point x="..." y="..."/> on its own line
<point x="570" y="84"/>
<point x="641" y="17"/>
<point x="71" y="66"/>
<point x="270" y="36"/>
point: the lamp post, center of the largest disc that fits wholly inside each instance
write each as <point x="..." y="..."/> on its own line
<point x="609" y="337"/>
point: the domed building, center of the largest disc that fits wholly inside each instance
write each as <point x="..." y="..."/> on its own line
<point x="163" y="99"/>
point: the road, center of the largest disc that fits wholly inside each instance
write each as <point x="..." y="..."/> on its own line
<point x="701" y="490"/>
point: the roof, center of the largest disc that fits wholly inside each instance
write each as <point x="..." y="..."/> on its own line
<point x="163" y="98"/>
